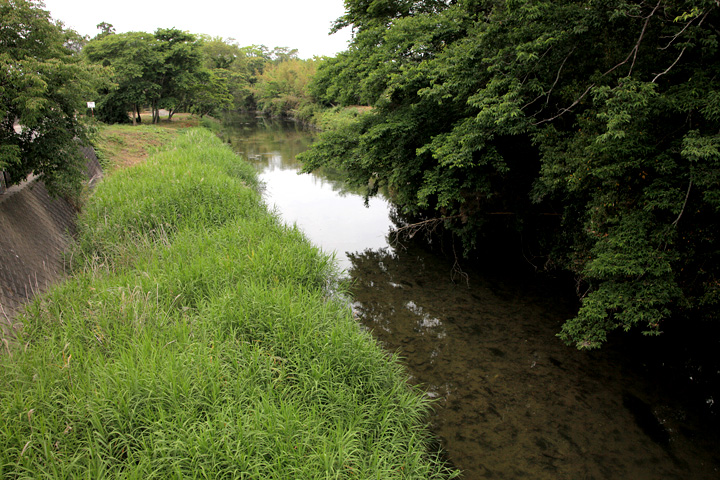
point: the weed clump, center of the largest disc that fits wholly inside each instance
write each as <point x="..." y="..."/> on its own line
<point x="196" y="339"/>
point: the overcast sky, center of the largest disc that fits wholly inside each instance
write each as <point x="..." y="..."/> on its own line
<point x="274" y="23"/>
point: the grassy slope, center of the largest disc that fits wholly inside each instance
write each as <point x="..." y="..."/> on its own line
<point x="122" y="146"/>
<point x="196" y="339"/>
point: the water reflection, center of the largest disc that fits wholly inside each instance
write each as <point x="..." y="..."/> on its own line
<point x="511" y="400"/>
<point x="330" y="214"/>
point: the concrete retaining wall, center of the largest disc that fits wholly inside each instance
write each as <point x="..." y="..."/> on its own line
<point x="35" y="230"/>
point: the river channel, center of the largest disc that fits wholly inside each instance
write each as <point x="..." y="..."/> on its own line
<point x="510" y="400"/>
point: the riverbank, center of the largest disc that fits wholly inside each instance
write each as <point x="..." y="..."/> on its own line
<point x="197" y="337"/>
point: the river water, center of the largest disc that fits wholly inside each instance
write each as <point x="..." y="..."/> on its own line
<point x="511" y="400"/>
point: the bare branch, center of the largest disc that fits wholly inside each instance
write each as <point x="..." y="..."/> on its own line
<point x="675" y="37"/>
<point x="566" y="109"/>
<point x="681" y="51"/>
<point x="687" y="195"/>
<point x="430" y="225"/>
<point x="557" y="78"/>
<point x="671" y="66"/>
<point x="457" y="271"/>
<point x="642" y="34"/>
<point x="633" y="54"/>
<point x="535" y="64"/>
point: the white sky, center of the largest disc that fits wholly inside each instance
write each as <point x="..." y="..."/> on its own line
<point x="274" y="23"/>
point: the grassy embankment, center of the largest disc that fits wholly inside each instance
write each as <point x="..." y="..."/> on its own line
<point x="196" y="339"/>
<point x="122" y="146"/>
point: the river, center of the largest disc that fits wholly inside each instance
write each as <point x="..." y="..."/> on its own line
<point x="511" y="401"/>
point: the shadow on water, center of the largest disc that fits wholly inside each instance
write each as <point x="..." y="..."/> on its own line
<point x="511" y="400"/>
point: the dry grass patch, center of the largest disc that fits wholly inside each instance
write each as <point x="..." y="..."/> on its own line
<point x="122" y="146"/>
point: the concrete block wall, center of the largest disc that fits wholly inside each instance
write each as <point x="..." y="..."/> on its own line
<point x="35" y="231"/>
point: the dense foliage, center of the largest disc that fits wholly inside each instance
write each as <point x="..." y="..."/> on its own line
<point x="283" y="86"/>
<point x="43" y="84"/>
<point x="603" y="115"/>
<point x="177" y="71"/>
<point x="161" y="70"/>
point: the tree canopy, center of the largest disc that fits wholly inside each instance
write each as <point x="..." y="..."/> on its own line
<point x="175" y="70"/>
<point x="43" y="85"/>
<point x="282" y="88"/>
<point x="591" y="125"/>
<point x="161" y="70"/>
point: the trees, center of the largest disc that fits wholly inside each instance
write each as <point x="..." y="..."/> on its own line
<point x="604" y="114"/>
<point x="282" y="87"/>
<point x="160" y="70"/>
<point x="172" y="69"/>
<point x="134" y="59"/>
<point x="213" y="94"/>
<point x="180" y="72"/>
<point x="43" y="84"/>
<point x="255" y="77"/>
<point x="231" y="74"/>
<point x="105" y="29"/>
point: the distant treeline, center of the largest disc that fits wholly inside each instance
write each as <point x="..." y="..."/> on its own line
<point x="178" y="71"/>
<point x="49" y="73"/>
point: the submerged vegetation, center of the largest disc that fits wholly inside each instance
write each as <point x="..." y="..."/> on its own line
<point x="198" y="338"/>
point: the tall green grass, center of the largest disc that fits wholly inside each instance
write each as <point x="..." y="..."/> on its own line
<point x="197" y="339"/>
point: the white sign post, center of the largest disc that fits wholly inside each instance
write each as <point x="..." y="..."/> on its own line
<point x="91" y="106"/>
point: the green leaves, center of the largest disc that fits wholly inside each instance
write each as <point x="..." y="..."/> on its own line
<point x="43" y="85"/>
<point x="704" y="153"/>
<point x="621" y="105"/>
<point x="162" y="70"/>
<point x="283" y="86"/>
<point x="701" y="148"/>
<point x="607" y="113"/>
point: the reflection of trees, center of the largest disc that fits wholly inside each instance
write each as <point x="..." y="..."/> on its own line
<point x="368" y="260"/>
<point x="335" y="179"/>
<point x="255" y="137"/>
<point x="433" y="237"/>
<point x="263" y="139"/>
<point x="437" y="242"/>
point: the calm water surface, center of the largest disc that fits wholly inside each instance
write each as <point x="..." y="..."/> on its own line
<point x="512" y="402"/>
<point x="333" y="218"/>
